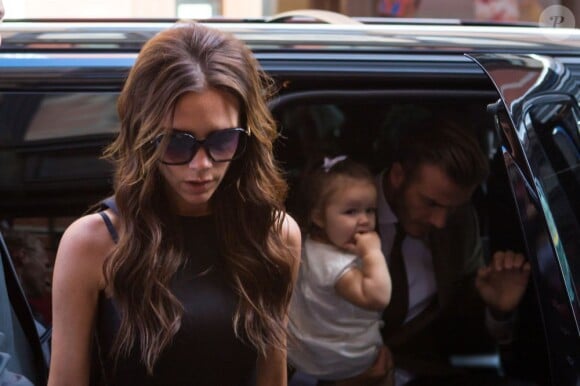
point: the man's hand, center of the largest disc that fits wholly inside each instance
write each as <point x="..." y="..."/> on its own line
<point x="503" y="282"/>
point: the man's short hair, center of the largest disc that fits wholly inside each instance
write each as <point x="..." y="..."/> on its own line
<point x="445" y="144"/>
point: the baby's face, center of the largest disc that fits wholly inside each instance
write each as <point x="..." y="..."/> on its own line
<point x="350" y="209"/>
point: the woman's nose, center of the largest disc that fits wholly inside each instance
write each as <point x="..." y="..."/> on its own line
<point x="200" y="160"/>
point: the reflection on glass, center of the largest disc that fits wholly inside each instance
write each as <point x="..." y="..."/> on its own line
<point x="553" y="128"/>
<point x="26" y="117"/>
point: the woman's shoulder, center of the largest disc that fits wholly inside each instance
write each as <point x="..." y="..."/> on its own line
<point x="290" y="227"/>
<point x="90" y="229"/>
<point x="290" y="231"/>
<point x="293" y="239"/>
<point x="84" y="246"/>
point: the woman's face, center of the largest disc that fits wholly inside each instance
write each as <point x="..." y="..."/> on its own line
<point x="190" y="186"/>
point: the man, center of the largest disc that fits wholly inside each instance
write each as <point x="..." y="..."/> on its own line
<point x="34" y="270"/>
<point x="444" y="299"/>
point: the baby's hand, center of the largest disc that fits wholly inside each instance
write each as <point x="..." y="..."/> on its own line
<point x="366" y="243"/>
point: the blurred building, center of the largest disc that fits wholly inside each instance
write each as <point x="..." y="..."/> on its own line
<point x="198" y="9"/>
<point x="498" y="10"/>
<point x="508" y="10"/>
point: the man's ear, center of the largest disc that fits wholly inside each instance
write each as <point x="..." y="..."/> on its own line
<point x="397" y="175"/>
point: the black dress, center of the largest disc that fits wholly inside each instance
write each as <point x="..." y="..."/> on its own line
<point x="205" y="351"/>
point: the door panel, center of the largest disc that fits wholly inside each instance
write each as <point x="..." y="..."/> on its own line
<point x="538" y="119"/>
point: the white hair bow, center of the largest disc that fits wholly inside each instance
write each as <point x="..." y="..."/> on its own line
<point x="330" y="162"/>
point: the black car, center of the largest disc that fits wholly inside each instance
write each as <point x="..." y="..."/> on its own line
<point x="346" y="89"/>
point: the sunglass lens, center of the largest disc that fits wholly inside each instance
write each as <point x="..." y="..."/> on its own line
<point x="180" y="149"/>
<point x="223" y="144"/>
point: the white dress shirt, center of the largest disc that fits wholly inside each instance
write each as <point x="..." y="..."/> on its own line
<point x="419" y="261"/>
<point x="416" y="256"/>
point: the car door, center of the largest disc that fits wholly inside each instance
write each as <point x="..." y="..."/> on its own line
<point x="538" y="118"/>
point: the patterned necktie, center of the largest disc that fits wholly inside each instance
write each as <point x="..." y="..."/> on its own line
<point x="395" y="313"/>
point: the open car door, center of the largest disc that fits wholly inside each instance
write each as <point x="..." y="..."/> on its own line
<point x="538" y="119"/>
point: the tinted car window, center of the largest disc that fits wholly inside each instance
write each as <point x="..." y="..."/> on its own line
<point x="27" y="117"/>
<point x="555" y="123"/>
<point x="50" y="146"/>
<point x="364" y="130"/>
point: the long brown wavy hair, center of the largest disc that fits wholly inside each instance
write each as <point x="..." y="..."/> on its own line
<point x="248" y="204"/>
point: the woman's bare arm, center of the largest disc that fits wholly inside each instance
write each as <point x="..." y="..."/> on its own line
<point x="272" y="369"/>
<point x="77" y="280"/>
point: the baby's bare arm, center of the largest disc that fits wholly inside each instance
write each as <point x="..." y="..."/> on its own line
<point x="370" y="286"/>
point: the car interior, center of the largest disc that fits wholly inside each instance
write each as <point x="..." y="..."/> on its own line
<point x="363" y="128"/>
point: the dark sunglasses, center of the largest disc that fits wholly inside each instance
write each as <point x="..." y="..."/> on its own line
<point x="221" y="145"/>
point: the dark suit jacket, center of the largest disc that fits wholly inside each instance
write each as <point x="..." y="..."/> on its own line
<point x="455" y="322"/>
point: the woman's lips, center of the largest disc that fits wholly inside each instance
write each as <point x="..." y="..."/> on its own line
<point x="199" y="185"/>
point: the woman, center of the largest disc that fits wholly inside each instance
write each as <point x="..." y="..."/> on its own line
<point x="201" y="275"/>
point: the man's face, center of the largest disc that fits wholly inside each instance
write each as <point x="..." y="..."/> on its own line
<point x="34" y="268"/>
<point x="425" y="201"/>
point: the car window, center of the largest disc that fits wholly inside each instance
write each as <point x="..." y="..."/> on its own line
<point x="29" y="117"/>
<point x="555" y="124"/>
<point x="363" y="129"/>
<point x="53" y="139"/>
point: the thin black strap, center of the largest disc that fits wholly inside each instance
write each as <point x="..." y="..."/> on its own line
<point x="109" y="203"/>
<point x="396" y="312"/>
<point x="110" y="226"/>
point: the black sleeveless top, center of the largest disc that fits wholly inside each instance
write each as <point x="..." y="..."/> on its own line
<point x="205" y="351"/>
